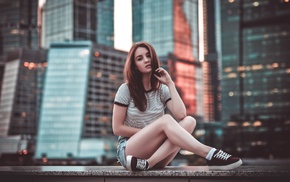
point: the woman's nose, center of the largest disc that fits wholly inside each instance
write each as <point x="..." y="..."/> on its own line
<point x="146" y="59"/>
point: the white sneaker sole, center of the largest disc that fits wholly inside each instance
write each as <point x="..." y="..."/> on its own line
<point x="227" y="167"/>
<point x="128" y="162"/>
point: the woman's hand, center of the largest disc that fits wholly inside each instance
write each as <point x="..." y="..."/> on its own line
<point x="163" y="76"/>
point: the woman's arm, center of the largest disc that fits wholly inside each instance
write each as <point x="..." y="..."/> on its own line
<point x="119" y="129"/>
<point x="175" y="105"/>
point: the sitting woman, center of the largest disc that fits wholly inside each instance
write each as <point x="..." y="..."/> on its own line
<point x="149" y="138"/>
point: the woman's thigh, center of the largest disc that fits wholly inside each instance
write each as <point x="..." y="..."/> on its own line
<point x="189" y="125"/>
<point x="144" y="143"/>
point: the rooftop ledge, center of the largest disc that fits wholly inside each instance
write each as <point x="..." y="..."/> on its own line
<point x="118" y="173"/>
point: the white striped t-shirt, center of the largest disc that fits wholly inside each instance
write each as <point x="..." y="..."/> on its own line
<point x="156" y="104"/>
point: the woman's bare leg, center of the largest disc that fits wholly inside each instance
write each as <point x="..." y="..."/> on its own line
<point x="167" y="151"/>
<point x="148" y="140"/>
<point x="163" y="163"/>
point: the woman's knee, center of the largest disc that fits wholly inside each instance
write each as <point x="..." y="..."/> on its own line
<point x="167" y="120"/>
<point x="188" y="123"/>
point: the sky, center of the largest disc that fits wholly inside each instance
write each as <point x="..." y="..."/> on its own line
<point x="122" y="24"/>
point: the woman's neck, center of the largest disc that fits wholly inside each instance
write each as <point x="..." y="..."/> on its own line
<point x="146" y="81"/>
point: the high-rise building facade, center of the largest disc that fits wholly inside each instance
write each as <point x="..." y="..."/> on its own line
<point x="18" y="25"/>
<point x="255" y="70"/>
<point x="211" y="63"/>
<point x="70" y="20"/>
<point x="172" y="28"/>
<point x="256" y="73"/>
<point x="21" y="91"/>
<point x="20" y="101"/>
<point x="80" y="86"/>
<point x="105" y="77"/>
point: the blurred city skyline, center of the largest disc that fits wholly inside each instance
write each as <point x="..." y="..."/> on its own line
<point x="231" y="70"/>
<point x="122" y="23"/>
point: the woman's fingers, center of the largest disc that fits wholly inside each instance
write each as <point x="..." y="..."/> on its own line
<point x="160" y="71"/>
<point x="157" y="73"/>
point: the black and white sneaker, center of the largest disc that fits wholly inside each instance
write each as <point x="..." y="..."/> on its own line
<point x="135" y="164"/>
<point x="224" y="161"/>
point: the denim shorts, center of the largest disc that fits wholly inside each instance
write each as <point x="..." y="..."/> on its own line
<point x="121" y="156"/>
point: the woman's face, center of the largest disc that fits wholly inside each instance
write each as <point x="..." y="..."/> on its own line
<point x="142" y="60"/>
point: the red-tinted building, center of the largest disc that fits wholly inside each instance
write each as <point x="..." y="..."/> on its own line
<point x="172" y="28"/>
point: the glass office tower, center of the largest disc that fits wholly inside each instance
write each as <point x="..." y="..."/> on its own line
<point x="105" y="77"/>
<point x="211" y="63"/>
<point x="21" y="92"/>
<point x="69" y="20"/>
<point x="76" y="112"/>
<point x="256" y="74"/>
<point x="19" y="105"/>
<point x="255" y="66"/>
<point x="105" y="23"/>
<point x="63" y="102"/>
<point x="172" y="28"/>
<point x="18" y="25"/>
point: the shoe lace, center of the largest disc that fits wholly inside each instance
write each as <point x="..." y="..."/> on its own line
<point x="141" y="164"/>
<point x="222" y="155"/>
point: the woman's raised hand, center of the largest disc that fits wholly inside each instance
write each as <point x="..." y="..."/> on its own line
<point x="162" y="75"/>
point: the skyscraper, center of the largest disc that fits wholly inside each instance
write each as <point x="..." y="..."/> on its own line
<point x="78" y="20"/>
<point x="255" y="70"/>
<point x="172" y="28"/>
<point x="21" y="97"/>
<point x="75" y="117"/>
<point x="18" y="25"/>
<point x="18" y="28"/>
<point x="256" y="73"/>
<point x="21" y="91"/>
<point x="211" y="63"/>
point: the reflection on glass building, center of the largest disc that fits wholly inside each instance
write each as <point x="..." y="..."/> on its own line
<point x="18" y="25"/>
<point x="20" y="99"/>
<point x="256" y="75"/>
<point x="78" y="20"/>
<point x="75" y="117"/>
<point x="211" y="63"/>
<point x="172" y="28"/>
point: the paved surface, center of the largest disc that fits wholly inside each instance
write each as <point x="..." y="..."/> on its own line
<point x="118" y="171"/>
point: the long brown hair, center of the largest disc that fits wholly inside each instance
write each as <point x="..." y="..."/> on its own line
<point x="134" y="78"/>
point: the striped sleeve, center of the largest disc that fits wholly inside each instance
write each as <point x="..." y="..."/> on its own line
<point x="165" y="94"/>
<point x="122" y="97"/>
